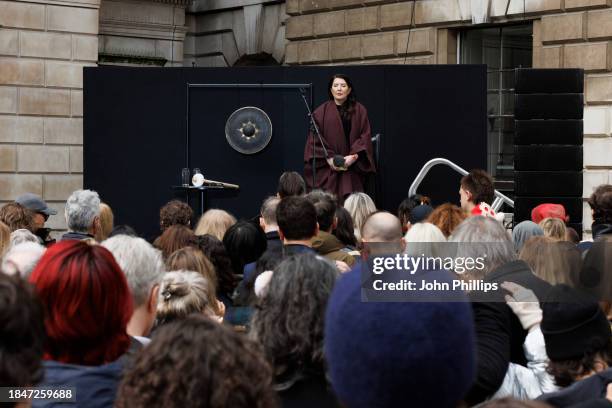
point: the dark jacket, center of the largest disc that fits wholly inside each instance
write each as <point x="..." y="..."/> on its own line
<point x="331" y="248"/>
<point x="600" y="230"/>
<point x="95" y="386"/>
<point x="499" y="334"/>
<point x="274" y="244"/>
<point x="307" y="392"/>
<point x="75" y="236"/>
<point x="274" y="241"/>
<point x="589" y="389"/>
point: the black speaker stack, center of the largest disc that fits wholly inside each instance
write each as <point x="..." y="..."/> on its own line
<point x="548" y="134"/>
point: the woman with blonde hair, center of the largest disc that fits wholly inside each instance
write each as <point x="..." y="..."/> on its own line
<point x="185" y="292"/>
<point x="5" y="238"/>
<point x="554" y="228"/>
<point x="553" y="261"/>
<point x="192" y="259"/>
<point x="215" y="222"/>
<point x="360" y="206"/>
<point x="106" y="222"/>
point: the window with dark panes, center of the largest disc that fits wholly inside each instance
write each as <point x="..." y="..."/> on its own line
<point x="502" y="49"/>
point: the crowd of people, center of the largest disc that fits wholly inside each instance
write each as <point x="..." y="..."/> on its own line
<point x="269" y="312"/>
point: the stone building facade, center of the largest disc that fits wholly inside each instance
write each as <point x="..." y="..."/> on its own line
<point x="45" y="43"/>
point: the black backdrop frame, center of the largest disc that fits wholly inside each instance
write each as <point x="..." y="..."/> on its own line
<point x="235" y="86"/>
<point x="135" y="127"/>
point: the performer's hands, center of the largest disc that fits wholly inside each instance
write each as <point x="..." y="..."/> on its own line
<point x="330" y="161"/>
<point x="350" y="159"/>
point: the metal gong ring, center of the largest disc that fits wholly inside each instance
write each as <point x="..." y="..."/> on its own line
<point x="248" y="130"/>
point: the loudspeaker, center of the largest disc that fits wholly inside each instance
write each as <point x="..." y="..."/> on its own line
<point x="548" y="106"/>
<point x="547" y="157"/>
<point x="548" y="154"/>
<point x="548" y="183"/>
<point x="553" y="131"/>
<point x="524" y="205"/>
<point x="528" y="80"/>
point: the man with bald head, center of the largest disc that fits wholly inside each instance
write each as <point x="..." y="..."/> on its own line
<point x="382" y="233"/>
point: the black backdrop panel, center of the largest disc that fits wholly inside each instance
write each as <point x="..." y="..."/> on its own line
<point x="553" y="80"/>
<point x="549" y="131"/>
<point x="439" y="111"/>
<point x="135" y="131"/>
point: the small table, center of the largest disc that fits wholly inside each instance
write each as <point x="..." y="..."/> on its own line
<point x="201" y="189"/>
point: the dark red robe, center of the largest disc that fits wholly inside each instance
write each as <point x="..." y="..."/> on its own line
<point x="341" y="183"/>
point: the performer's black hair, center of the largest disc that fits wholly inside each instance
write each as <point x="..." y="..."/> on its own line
<point x="347" y="107"/>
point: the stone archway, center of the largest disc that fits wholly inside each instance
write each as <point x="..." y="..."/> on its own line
<point x="226" y="33"/>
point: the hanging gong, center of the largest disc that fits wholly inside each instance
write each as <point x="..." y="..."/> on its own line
<point x="248" y="130"/>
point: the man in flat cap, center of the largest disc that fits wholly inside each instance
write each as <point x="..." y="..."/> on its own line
<point x="40" y="214"/>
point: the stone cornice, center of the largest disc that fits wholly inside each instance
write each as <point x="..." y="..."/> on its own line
<point x="197" y="6"/>
<point x="95" y="4"/>
<point x="183" y="3"/>
<point x="142" y="30"/>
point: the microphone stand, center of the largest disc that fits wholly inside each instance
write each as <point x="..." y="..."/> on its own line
<point x="313" y="125"/>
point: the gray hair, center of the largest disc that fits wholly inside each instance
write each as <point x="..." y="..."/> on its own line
<point x="140" y="262"/>
<point x="22" y="258"/>
<point x="22" y="235"/>
<point x="268" y="209"/>
<point x="477" y="236"/>
<point x="82" y="207"/>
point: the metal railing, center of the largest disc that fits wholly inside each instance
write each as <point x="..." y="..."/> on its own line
<point x="499" y="197"/>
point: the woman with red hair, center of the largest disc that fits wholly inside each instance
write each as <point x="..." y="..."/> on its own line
<point x="87" y="307"/>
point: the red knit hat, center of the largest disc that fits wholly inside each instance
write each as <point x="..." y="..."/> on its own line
<point x="548" y="210"/>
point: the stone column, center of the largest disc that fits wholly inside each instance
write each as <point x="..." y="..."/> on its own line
<point x="43" y="49"/>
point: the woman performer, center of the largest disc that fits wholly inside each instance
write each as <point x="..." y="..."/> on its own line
<point x="345" y="130"/>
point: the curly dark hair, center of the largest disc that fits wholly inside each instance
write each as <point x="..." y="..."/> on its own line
<point x="22" y="333"/>
<point x="601" y="203"/>
<point x="196" y="362"/>
<point x="566" y="372"/>
<point x="175" y="212"/>
<point x="16" y="216"/>
<point x="288" y="321"/>
<point x="480" y="184"/>
<point x="214" y="249"/>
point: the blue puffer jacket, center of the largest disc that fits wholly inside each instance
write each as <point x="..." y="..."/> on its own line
<point x="95" y="386"/>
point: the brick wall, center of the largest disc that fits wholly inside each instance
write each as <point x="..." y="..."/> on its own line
<point x="566" y="34"/>
<point x="43" y="49"/>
